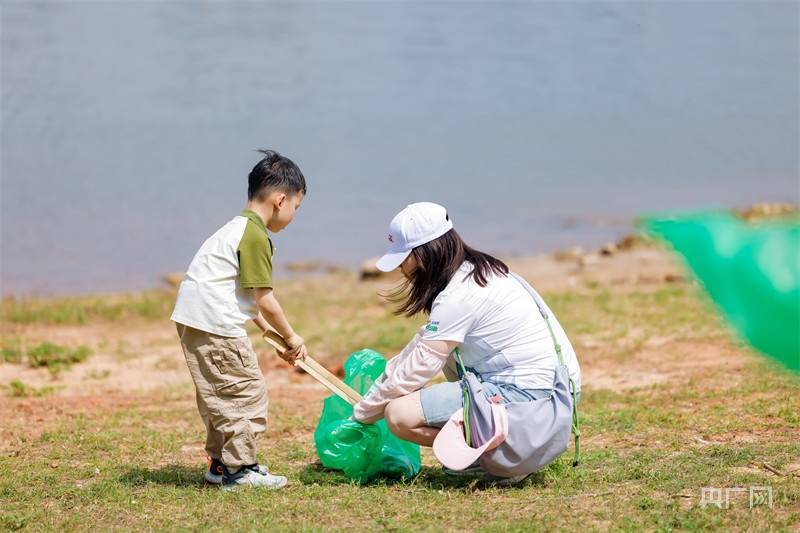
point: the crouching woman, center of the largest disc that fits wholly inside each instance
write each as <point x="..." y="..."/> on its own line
<point x="473" y="303"/>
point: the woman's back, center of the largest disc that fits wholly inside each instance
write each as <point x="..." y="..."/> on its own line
<point x="503" y="336"/>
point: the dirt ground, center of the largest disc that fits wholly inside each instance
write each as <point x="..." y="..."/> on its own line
<point x="131" y="360"/>
<point x="143" y="356"/>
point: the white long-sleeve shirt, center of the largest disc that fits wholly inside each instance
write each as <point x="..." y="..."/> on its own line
<point x="405" y="373"/>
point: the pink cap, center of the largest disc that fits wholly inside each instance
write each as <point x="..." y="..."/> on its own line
<point x="451" y="448"/>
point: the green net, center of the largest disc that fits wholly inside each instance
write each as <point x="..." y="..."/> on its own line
<point x="362" y="451"/>
<point x="751" y="271"/>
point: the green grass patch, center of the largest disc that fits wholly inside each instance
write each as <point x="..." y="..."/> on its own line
<point x="19" y="389"/>
<point x="11" y="355"/>
<point x="84" y="309"/>
<point x="679" y="310"/>
<point x="55" y="357"/>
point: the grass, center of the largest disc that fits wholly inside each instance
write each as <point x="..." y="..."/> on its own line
<point x="135" y="461"/>
<point x="79" y="310"/>
<point x="55" y="357"/>
<point x="11" y="355"/>
<point x="127" y="468"/>
<point x="18" y="389"/>
<point x="680" y="310"/>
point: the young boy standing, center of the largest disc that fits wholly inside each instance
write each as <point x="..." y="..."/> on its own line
<point x="231" y="271"/>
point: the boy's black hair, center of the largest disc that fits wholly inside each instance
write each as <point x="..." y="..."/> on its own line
<point x="274" y="172"/>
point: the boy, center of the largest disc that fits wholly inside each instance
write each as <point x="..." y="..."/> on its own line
<point x="232" y="269"/>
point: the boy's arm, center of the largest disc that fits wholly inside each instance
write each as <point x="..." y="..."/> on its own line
<point x="271" y="310"/>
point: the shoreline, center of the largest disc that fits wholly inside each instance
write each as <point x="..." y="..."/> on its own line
<point x="311" y="270"/>
<point x="291" y="271"/>
<point x="288" y="271"/>
<point x="295" y="271"/>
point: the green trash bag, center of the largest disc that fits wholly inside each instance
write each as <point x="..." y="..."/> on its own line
<point x="751" y="271"/>
<point x="362" y="451"/>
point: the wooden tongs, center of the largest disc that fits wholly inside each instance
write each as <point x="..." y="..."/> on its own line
<point x="312" y="367"/>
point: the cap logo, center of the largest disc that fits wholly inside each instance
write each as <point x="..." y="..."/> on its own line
<point x="390" y="238"/>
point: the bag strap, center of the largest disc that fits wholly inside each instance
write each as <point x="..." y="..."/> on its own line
<point x="543" y="312"/>
<point x="462" y="370"/>
<point x="576" y="424"/>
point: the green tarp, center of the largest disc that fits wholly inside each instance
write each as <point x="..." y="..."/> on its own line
<point x="751" y="271"/>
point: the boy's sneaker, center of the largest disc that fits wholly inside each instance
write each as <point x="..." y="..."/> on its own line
<point x="214" y="473"/>
<point x="216" y="470"/>
<point x="251" y="476"/>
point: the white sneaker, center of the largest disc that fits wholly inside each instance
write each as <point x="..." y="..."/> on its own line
<point x="216" y="469"/>
<point x="506" y="481"/>
<point x="248" y="476"/>
<point x="472" y="470"/>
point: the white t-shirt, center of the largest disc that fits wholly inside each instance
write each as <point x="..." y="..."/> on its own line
<point x="503" y="336"/>
<point x="215" y="295"/>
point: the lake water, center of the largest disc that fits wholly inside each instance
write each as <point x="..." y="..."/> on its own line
<point x="128" y="128"/>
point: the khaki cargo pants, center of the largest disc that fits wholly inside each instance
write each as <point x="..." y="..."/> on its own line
<point x="231" y="393"/>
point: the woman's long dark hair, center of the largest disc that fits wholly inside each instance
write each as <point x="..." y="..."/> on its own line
<point x="437" y="262"/>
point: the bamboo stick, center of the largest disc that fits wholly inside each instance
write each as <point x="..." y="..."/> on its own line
<point x="310" y="365"/>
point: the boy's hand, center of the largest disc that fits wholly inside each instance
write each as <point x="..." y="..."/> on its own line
<point x="297" y="349"/>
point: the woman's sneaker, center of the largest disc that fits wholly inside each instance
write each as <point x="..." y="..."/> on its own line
<point x="498" y="481"/>
<point x="474" y="469"/>
<point x="251" y="476"/>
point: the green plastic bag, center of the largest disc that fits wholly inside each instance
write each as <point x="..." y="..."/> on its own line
<point x="362" y="451"/>
<point x="751" y="271"/>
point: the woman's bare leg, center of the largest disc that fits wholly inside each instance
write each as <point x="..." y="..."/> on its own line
<point x="405" y="419"/>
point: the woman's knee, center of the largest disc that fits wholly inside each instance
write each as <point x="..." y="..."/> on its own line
<point x="404" y="414"/>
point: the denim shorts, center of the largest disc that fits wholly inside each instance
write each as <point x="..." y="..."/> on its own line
<point x="440" y="401"/>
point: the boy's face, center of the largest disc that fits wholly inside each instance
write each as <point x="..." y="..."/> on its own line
<point x="285" y="207"/>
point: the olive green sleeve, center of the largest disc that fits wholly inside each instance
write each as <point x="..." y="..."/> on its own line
<point x="255" y="258"/>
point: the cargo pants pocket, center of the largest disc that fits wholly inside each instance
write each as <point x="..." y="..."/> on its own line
<point x="235" y="369"/>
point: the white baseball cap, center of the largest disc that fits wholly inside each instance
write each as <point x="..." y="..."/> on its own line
<point x="414" y="226"/>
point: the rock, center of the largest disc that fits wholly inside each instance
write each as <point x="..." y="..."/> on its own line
<point x="608" y="249"/>
<point x="569" y="254"/>
<point x="633" y="240"/>
<point x="674" y="278"/>
<point x="368" y="270"/>
<point x="766" y="210"/>
<point x="173" y="279"/>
